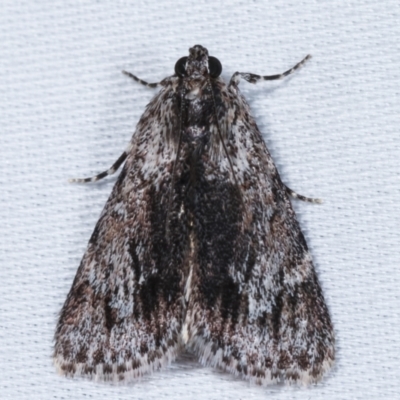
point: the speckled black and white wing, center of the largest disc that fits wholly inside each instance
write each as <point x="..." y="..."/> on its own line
<point x="123" y="314"/>
<point x="197" y="246"/>
<point x="255" y="307"/>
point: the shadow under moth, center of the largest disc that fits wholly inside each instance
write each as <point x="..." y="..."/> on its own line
<point x="197" y="248"/>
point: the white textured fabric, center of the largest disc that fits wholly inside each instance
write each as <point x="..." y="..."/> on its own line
<point x="333" y="130"/>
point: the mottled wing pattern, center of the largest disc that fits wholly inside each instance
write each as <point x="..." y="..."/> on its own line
<point x="198" y="245"/>
<point x="122" y="316"/>
<point x="256" y="307"/>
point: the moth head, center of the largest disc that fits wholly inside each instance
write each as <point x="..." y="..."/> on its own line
<point x="198" y="63"/>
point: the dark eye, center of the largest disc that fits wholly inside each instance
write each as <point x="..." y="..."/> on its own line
<point x="214" y="66"/>
<point x="180" y="65"/>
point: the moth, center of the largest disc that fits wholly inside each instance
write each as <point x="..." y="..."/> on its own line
<point x="197" y="248"/>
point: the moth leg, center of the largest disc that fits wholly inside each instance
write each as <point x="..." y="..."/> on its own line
<point x="253" y="78"/>
<point x="102" y="175"/>
<point x="295" y="195"/>
<point x="150" y="85"/>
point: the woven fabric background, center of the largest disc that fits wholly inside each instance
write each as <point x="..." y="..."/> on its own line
<point x="333" y="130"/>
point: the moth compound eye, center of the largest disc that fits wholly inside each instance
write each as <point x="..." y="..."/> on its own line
<point x="180" y="66"/>
<point x="214" y="66"/>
